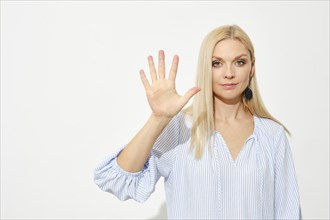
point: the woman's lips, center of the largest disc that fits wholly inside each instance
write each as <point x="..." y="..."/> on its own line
<point x="229" y="86"/>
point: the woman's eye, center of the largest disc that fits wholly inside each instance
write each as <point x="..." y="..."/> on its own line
<point x="240" y="62"/>
<point x="216" y="63"/>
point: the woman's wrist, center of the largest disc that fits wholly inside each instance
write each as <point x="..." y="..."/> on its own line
<point x="160" y="120"/>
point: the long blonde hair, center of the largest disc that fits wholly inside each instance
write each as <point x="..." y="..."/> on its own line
<point x="202" y="109"/>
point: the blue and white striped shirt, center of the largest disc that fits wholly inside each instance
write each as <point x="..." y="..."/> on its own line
<point x="260" y="184"/>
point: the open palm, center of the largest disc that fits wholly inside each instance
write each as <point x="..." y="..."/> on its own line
<point x="161" y="93"/>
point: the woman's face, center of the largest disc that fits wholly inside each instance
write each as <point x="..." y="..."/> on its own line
<point x="231" y="70"/>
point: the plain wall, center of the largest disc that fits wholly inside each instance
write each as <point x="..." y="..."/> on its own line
<point x="71" y="93"/>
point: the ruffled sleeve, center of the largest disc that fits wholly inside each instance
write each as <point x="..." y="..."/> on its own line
<point x="110" y="177"/>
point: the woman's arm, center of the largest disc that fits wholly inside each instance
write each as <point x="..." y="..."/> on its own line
<point x="287" y="201"/>
<point x="134" y="155"/>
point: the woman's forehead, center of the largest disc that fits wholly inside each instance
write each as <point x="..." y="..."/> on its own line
<point x="230" y="48"/>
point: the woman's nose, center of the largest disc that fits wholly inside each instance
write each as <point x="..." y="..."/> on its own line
<point x="230" y="73"/>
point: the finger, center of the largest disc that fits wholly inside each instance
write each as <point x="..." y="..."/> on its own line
<point x="161" y="64"/>
<point x="190" y="93"/>
<point x="144" y="80"/>
<point x="152" y="68"/>
<point x="174" y="68"/>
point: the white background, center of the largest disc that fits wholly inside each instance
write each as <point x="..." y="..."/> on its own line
<point x="71" y="93"/>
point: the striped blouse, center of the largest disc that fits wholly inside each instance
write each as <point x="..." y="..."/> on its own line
<point x="260" y="184"/>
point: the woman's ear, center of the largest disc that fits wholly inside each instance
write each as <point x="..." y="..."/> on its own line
<point x="252" y="69"/>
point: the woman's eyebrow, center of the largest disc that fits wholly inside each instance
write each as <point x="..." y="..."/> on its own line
<point x="239" y="56"/>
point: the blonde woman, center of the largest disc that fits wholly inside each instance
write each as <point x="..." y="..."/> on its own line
<point x="223" y="157"/>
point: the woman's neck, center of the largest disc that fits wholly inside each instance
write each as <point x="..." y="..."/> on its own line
<point x="229" y="111"/>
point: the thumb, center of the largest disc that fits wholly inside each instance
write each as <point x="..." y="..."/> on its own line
<point x="190" y="93"/>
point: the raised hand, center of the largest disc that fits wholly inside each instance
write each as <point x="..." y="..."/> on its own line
<point x="161" y="93"/>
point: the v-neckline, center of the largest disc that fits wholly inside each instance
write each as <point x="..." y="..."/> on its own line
<point x="241" y="151"/>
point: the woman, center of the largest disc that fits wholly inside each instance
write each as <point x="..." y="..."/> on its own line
<point x="224" y="157"/>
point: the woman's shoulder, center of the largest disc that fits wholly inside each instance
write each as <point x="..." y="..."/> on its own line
<point x="174" y="134"/>
<point x="268" y="128"/>
<point x="182" y="119"/>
